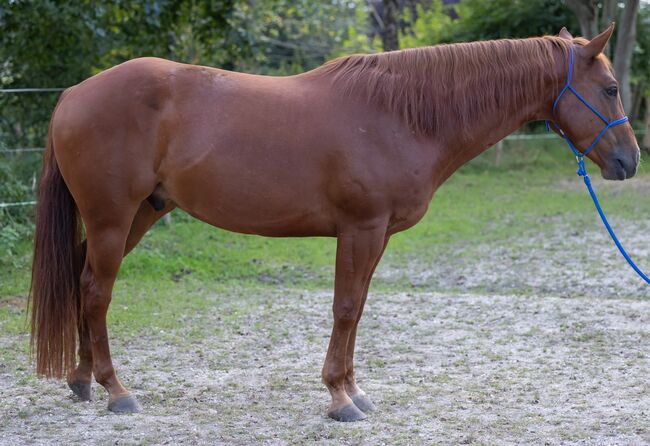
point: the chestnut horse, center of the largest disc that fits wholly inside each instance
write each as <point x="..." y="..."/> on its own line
<point x="354" y="149"/>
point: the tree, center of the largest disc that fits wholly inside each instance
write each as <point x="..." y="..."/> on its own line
<point x="288" y="36"/>
<point x="49" y="43"/>
<point x="587" y="13"/>
<point x="390" y="36"/>
<point x="625" y="43"/>
<point x="609" y="13"/>
<point x="495" y="19"/>
<point x="641" y="71"/>
<point x="42" y="44"/>
<point x="593" y="16"/>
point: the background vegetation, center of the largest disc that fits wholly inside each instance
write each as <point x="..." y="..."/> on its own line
<point x="505" y="317"/>
<point x="48" y="43"/>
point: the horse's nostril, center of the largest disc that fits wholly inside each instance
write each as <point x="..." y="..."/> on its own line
<point x="626" y="167"/>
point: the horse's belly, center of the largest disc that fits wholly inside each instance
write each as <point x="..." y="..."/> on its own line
<point x="253" y="220"/>
<point x="254" y="202"/>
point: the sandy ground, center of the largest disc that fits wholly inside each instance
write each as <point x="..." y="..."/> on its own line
<point x="562" y="261"/>
<point x="442" y="368"/>
<point x="548" y="345"/>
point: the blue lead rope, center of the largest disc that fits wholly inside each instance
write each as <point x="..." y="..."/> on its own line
<point x="580" y="158"/>
<point x="609" y="228"/>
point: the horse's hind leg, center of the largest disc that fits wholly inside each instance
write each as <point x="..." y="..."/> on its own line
<point x="106" y="243"/>
<point x="80" y="380"/>
<point x="358" y="249"/>
<point x="143" y="220"/>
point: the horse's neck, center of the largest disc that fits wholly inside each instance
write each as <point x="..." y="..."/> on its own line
<point x="493" y="127"/>
<point x="448" y="95"/>
<point x="459" y="148"/>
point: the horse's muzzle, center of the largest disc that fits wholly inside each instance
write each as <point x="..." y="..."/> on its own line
<point x="621" y="164"/>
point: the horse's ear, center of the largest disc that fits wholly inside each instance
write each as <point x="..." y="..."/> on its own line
<point x="565" y="34"/>
<point x="597" y="44"/>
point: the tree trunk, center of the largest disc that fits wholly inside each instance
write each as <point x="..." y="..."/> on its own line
<point x="625" y="40"/>
<point x="646" y="138"/>
<point x="637" y="99"/>
<point x="587" y="13"/>
<point x="390" y="38"/>
<point x="608" y="15"/>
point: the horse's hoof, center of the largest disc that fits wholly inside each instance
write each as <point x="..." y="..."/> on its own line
<point x="347" y="413"/>
<point x="124" y="404"/>
<point x="81" y="389"/>
<point x="363" y="403"/>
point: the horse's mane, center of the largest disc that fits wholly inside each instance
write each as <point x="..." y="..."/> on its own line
<point x="465" y="81"/>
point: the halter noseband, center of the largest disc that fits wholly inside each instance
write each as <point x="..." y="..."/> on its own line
<point x="608" y="124"/>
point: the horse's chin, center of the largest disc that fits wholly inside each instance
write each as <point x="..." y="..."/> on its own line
<point x="613" y="174"/>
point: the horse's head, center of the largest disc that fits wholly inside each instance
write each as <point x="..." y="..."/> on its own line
<point x="616" y="152"/>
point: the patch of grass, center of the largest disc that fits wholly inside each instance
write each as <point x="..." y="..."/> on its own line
<point x="179" y="269"/>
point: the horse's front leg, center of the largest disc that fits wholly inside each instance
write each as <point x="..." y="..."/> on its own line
<point x="358" y="250"/>
<point x="359" y="397"/>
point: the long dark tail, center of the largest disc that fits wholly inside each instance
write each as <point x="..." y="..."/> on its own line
<point x="58" y="259"/>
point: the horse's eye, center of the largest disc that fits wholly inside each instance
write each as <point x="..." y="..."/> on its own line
<point x="611" y="91"/>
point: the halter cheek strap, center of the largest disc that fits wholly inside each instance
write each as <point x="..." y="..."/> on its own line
<point x="580" y="158"/>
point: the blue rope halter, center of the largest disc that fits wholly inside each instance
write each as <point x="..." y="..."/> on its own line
<point x="580" y="158"/>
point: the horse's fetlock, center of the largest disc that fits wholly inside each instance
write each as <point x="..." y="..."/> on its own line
<point x="333" y="378"/>
<point x="103" y="375"/>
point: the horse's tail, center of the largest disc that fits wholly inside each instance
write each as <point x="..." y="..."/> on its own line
<point x="56" y="269"/>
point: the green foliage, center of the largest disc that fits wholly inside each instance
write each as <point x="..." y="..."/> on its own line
<point x="487" y="19"/>
<point x="433" y="25"/>
<point x="48" y="43"/>
<point x="15" y="223"/>
<point x="289" y="36"/>
<point x="641" y="58"/>
<point x="52" y="43"/>
<point x="497" y="19"/>
<point x="42" y="44"/>
<point x="193" y="32"/>
<point x="17" y="177"/>
<point x="356" y="38"/>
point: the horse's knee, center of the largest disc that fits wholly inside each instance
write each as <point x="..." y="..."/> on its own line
<point x="346" y="313"/>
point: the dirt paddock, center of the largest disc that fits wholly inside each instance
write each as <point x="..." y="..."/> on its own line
<point x="442" y="369"/>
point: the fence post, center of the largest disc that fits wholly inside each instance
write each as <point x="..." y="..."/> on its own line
<point x="498" y="152"/>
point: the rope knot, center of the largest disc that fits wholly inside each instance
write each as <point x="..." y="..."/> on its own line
<point x="582" y="171"/>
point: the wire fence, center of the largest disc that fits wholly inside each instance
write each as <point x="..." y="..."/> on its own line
<point x="22" y="150"/>
<point x="17" y="204"/>
<point x="30" y="90"/>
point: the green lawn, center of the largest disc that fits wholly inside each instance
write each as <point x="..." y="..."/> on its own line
<point x="534" y="186"/>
